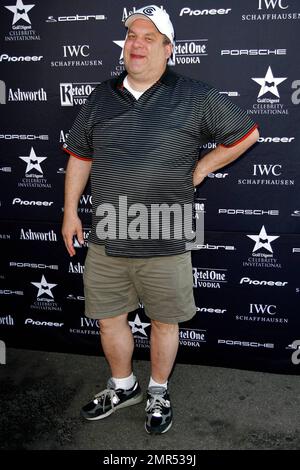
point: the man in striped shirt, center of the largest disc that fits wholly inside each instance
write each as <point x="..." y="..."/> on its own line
<point x="138" y="136"/>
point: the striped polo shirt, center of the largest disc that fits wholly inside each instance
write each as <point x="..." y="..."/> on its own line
<point x="143" y="155"/>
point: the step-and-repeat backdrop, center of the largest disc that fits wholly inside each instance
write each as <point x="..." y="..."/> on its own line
<point x="246" y="273"/>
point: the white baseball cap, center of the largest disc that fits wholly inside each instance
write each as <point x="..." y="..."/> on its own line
<point x="159" y="18"/>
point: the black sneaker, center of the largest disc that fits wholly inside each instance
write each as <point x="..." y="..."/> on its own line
<point x="110" y="400"/>
<point x="158" y="411"/>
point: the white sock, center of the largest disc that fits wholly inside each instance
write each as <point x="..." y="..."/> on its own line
<point x="125" y="383"/>
<point x="152" y="383"/>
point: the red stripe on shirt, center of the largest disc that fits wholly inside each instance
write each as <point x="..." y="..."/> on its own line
<point x="87" y="159"/>
<point x="242" y="138"/>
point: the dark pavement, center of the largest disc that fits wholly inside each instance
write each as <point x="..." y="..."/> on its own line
<point x="214" y="408"/>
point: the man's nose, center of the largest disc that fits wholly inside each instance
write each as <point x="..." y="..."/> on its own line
<point x="138" y="43"/>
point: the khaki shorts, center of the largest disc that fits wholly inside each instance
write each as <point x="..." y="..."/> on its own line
<point x="115" y="285"/>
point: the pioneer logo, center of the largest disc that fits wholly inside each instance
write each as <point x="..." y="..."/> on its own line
<point x="275" y="140"/>
<point x="186" y="11"/>
<point x="20" y="58"/>
<point x="30" y="321"/>
<point x="217" y="175"/>
<point x="21" y="202"/>
<point x="254" y="282"/>
<point x="211" y="310"/>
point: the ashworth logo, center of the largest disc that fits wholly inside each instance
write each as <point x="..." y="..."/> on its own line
<point x="21" y="24"/>
<point x="127" y="12"/>
<point x="20" y="95"/>
<point x="269" y="87"/>
<point x="29" y="234"/>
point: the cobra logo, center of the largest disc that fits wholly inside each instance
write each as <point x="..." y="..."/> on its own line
<point x="149" y="11"/>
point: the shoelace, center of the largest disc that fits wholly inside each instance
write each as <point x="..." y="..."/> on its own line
<point x="155" y="404"/>
<point x="101" y="396"/>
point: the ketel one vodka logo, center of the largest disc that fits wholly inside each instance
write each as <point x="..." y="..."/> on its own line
<point x="72" y="94"/>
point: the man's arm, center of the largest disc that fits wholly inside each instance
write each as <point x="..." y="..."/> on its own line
<point x="221" y="156"/>
<point x="77" y="175"/>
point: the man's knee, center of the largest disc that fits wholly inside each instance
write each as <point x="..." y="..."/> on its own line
<point x="164" y="328"/>
<point x="113" y="324"/>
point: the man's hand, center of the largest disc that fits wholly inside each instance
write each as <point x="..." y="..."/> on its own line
<point x="71" y="227"/>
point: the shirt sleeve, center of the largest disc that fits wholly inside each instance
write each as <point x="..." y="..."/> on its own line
<point x="223" y="122"/>
<point x="79" y="141"/>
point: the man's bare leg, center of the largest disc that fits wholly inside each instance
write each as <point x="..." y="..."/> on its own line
<point x="118" y="344"/>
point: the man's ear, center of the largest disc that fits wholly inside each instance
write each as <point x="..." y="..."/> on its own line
<point x="169" y="50"/>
